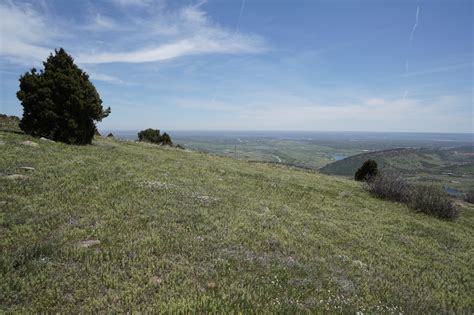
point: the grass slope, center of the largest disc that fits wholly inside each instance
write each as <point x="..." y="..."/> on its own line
<point x="171" y="230"/>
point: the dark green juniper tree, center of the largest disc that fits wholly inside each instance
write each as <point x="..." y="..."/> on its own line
<point x="166" y="139"/>
<point x="367" y="171"/>
<point x="154" y="136"/>
<point x="59" y="102"/>
<point x="150" y="135"/>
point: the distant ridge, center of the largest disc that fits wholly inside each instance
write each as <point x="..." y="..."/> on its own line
<point x="409" y="160"/>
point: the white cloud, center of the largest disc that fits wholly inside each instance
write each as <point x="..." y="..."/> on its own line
<point x="101" y="22"/>
<point x="98" y="76"/>
<point x="417" y="15"/>
<point x="155" y="36"/>
<point x="132" y="3"/>
<point x="371" y="114"/>
<point x="23" y="34"/>
<point x="440" y="69"/>
<point x="193" y="46"/>
<point x="189" y="32"/>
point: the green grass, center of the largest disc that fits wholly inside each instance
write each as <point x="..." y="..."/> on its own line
<point x="185" y="231"/>
<point x="299" y="153"/>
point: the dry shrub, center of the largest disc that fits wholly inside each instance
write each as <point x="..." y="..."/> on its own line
<point x="431" y="200"/>
<point x="389" y="186"/>
<point x="434" y="201"/>
<point x="470" y="197"/>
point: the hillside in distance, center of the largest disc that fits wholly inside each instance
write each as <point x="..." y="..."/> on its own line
<point x="449" y="167"/>
<point x="307" y="149"/>
<point x="121" y="226"/>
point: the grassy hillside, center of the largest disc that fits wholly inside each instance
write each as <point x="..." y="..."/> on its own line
<point x="119" y="226"/>
<point x="449" y="167"/>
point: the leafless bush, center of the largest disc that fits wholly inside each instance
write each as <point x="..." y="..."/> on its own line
<point x="470" y="197"/>
<point x="432" y="200"/>
<point x="389" y="186"/>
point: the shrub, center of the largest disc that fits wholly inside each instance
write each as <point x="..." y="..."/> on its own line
<point x="110" y="135"/>
<point x="166" y="139"/>
<point x="470" y="197"/>
<point x="153" y="136"/>
<point x="59" y="102"/>
<point x="150" y="135"/>
<point x="432" y="200"/>
<point x="9" y="123"/>
<point x="389" y="186"/>
<point x="366" y="171"/>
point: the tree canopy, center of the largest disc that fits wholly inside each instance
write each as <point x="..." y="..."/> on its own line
<point x="367" y="171"/>
<point x="154" y="136"/>
<point x="59" y="102"/>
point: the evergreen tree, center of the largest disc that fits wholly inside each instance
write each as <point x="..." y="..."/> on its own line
<point x="367" y="171"/>
<point x="150" y="135"/>
<point x="153" y="136"/>
<point x="166" y="139"/>
<point x="59" y="102"/>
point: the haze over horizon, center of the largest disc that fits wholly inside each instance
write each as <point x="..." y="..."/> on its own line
<point x="398" y="66"/>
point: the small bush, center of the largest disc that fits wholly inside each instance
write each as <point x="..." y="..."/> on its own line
<point x="470" y="197"/>
<point x="166" y="139"/>
<point x="389" y="186"/>
<point x="153" y="136"/>
<point x="149" y="135"/>
<point x="110" y="135"/>
<point x="9" y="123"/>
<point x="432" y="200"/>
<point x="367" y="171"/>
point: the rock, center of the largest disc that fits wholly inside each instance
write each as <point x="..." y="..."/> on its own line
<point x="346" y="285"/>
<point x="344" y="194"/>
<point x="73" y="221"/>
<point x="88" y="243"/>
<point x="30" y="144"/>
<point x="27" y="168"/>
<point x="359" y="264"/>
<point x="155" y="280"/>
<point x="46" y="139"/>
<point x="17" y="176"/>
<point x="211" y="285"/>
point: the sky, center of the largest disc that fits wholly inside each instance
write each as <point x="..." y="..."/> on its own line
<point x="340" y="65"/>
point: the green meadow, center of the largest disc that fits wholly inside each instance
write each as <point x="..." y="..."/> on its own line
<point x="121" y="226"/>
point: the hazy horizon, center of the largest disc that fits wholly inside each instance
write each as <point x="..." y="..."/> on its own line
<point x="289" y="131"/>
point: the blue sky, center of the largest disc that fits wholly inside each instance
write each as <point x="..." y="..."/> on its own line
<point x="256" y="64"/>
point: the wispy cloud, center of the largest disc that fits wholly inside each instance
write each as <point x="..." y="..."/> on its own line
<point x="98" y="76"/>
<point x="413" y="30"/>
<point x="240" y="14"/>
<point x="439" y="69"/>
<point x="100" y="22"/>
<point x="132" y="3"/>
<point x="366" y="115"/>
<point x="417" y="15"/>
<point x="24" y="34"/>
<point x="180" y="32"/>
